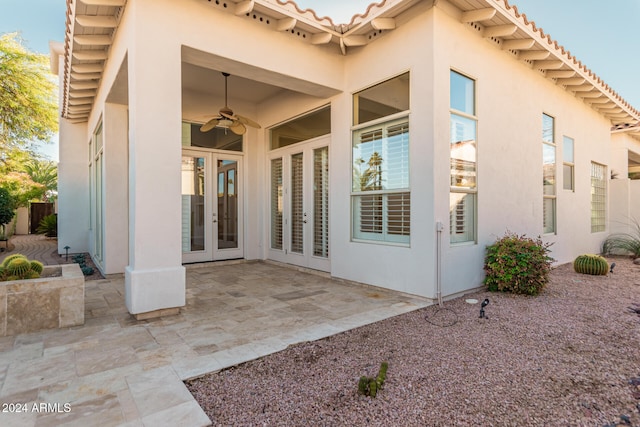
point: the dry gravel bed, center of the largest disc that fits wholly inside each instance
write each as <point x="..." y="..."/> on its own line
<point x="569" y="357"/>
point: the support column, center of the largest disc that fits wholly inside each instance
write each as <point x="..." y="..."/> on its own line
<point x="116" y="192"/>
<point x="155" y="277"/>
<point x="73" y="188"/>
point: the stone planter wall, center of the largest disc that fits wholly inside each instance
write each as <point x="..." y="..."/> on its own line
<point x="50" y="302"/>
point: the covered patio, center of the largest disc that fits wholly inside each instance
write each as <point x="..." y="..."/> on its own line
<point x="122" y="371"/>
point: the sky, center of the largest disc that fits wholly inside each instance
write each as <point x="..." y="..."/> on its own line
<point x="601" y="34"/>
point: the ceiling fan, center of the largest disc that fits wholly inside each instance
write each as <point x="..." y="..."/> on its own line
<point x="227" y="120"/>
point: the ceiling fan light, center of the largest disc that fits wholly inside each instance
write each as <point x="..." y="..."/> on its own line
<point x="225" y="123"/>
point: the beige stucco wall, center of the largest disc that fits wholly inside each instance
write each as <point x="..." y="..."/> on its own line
<point x="511" y="98"/>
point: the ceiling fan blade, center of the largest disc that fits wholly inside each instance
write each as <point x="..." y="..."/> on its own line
<point x="238" y="128"/>
<point x="210" y="124"/>
<point x="248" y="122"/>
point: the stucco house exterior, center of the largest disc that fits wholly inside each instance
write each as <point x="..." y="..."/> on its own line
<point x="391" y="150"/>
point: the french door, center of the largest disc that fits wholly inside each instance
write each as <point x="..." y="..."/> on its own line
<point x="299" y="204"/>
<point x="211" y="206"/>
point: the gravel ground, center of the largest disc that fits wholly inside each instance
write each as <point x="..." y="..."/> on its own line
<point x="569" y="357"/>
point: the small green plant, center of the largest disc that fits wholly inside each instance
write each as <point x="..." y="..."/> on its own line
<point x="370" y="386"/>
<point x="18" y="267"/>
<point x="517" y="264"/>
<point x="591" y="264"/>
<point x="48" y="226"/>
<point x="624" y="243"/>
<point x="87" y="271"/>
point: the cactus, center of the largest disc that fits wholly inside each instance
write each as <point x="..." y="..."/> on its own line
<point x="37" y="266"/>
<point x="19" y="267"/>
<point x="10" y="258"/>
<point x="370" y="386"/>
<point x="591" y="264"/>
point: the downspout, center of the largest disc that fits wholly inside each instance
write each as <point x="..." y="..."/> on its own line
<point x="439" y="228"/>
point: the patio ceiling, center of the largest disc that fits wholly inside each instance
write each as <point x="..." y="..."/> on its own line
<point x="91" y="25"/>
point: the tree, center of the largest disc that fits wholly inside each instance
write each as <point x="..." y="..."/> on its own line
<point x="45" y="173"/>
<point x="28" y="108"/>
<point x="7" y="208"/>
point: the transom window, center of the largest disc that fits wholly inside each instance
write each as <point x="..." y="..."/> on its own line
<point x="381" y="197"/>
<point x="216" y="138"/>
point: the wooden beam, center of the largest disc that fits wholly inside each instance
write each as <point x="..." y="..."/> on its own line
<point x="81" y="93"/>
<point x="560" y="74"/>
<point x="244" y="7"/>
<point x="113" y="3"/>
<point x="572" y="81"/>
<point x="86" y="76"/>
<point x="603" y="100"/>
<point x="478" y="15"/>
<point x="87" y="68"/>
<point x="518" y="44"/>
<point x="90" y="55"/>
<point x="83" y="85"/>
<point x="499" y="30"/>
<point x="79" y="109"/>
<point x="582" y="88"/>
<point x="100" y="40"/>
<point x="383" y="23"/>
<point x="321" y="38"/>
<point x="546" y="65"/>
<point x="533" y="55"/>
<point x="590" y="94"/>
<point x="81" y="101"/>
<point x="286" y="24"/>
<point x="355" y="41"/>
<point x="97" y="21"/>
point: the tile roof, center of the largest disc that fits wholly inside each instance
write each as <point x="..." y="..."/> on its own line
<point x="91" y="25"/>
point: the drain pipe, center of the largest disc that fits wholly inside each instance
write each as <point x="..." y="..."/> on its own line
<point x="439" y="228"/>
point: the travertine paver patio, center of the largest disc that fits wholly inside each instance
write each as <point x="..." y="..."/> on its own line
<point x="115" y="370"/>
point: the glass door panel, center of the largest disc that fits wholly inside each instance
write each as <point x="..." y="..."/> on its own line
<point x="227" y="205"/>
<point x="298" y="215"/>
<point x="321" y="202"/>
<point x="276" y="203"/>
<point x="194" y="209"/>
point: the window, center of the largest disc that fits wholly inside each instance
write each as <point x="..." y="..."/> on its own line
<point x="303" y="128"/>
<point x="463" y="159"/>
<point x="598" y="197"/>
<point x="548" y="175"/>
<point x="216" y="138"/>
<point x="380" y="197"/>
<point x="568" y="176"/>
<point x="96" y="167"/>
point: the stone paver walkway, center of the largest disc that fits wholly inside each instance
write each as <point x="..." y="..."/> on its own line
<point x="116" y="371"/>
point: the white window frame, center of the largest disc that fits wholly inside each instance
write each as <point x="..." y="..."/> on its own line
<point x="384" y="236"/>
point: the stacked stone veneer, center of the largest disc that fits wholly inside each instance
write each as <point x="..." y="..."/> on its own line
<point x="44" y="303"/>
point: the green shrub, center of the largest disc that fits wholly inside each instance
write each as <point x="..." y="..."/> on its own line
<point x="517" y="264"/>
<point x="48" y="226"/>
<point x="624" y="243"/>
<point x="591" y="264"/>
